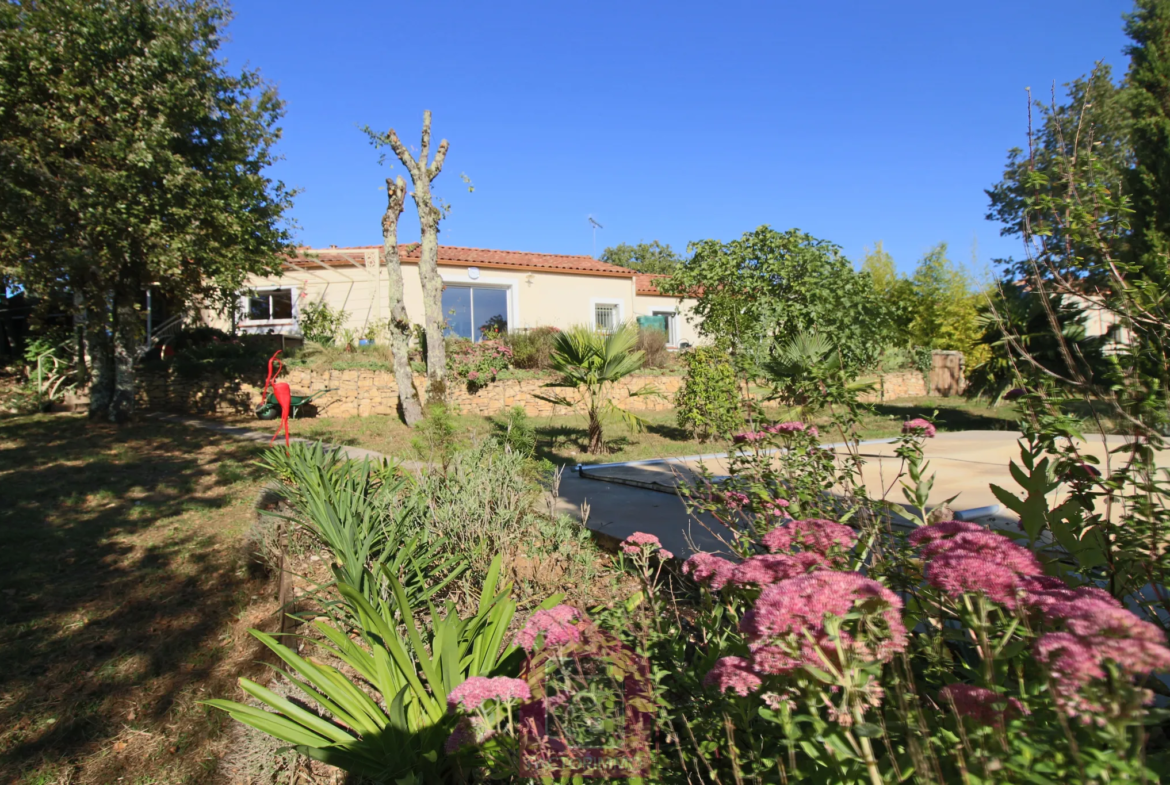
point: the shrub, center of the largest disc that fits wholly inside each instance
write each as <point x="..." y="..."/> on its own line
<point x="708" y="402"/>
<point x="319" y="322"/>
<point x="531" y="349"/>
<point x="652" y="345"/>
<point x="477" y="363"/>
<point x="515" y="432"/>
<point x="436" y="438"/>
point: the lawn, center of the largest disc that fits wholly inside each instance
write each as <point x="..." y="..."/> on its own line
<point x="125" y="596"/>
<point x="562" y="439"/>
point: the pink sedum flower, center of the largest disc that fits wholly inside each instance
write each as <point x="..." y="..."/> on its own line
<point x="919" y="426"/>
<point x="735" y="674"/>
<point x="1046" y="593"/>
<point x="556" y="624"/>
<point x="749" y="437"/>
<point x="773" y="567"/>
<point x="786" y="427"/>
<point x="709" y="569"/>
<point x="634" y="544"/>
<point x="942" y="530"/>
<point x="792" y="611"/>
<point x="980" y="704"/>
<point x="1096" y="631"/>
<point x="477" y="690"/>
<point x="813" y="534"/>
<point x="961" y="560"/>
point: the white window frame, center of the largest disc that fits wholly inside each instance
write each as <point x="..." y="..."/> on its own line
<point x="260" y="290"/>
<point x="618" y="305"/>
<point x="507" y="284"/>
<point x="671" y="324"/>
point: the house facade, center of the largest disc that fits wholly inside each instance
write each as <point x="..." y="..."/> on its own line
<point x="483" y="289"/>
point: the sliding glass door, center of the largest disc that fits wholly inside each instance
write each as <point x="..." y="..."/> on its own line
<point x="474" y="312"/>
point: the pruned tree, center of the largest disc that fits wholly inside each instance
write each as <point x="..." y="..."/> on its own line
<point x="399" y="328"/>
<point x="429" y="215"/>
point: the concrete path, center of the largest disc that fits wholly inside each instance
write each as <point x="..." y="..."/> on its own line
<point x="247" y="434"/>
<point x="639" y="496"/>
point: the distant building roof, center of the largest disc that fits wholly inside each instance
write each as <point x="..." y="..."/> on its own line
<point x="647" y="283"/>
<point x="474" y="257"/>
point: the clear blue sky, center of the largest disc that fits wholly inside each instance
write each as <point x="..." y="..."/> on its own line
<point x="676" y="121"/>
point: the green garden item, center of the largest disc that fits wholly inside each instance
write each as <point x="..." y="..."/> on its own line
<point x="270" y="409"/>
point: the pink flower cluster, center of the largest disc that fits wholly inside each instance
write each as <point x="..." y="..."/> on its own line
<point x="634" y="544"/>
<point x="733" y="673"/>
<point x="477" y="690"/>
<point x="710" y="569"/>
<point x="783" y="428"/>
<point x="732" y="500"/>
<point x="790" y="617"/>
<point x="1096" y="630"/>
<point x="775" y="508"/>
<point x="813" y="534"/>
<point x="468" y="731"/>
<point x="556" y="624"/>
<point x="965" y="558"/>
<point x="774" y="567"/>
<point x="919" y="426"/>
<point x="980" y="704"/>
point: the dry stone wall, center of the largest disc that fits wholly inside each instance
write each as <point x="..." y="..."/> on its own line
<point x="363" y="393"/>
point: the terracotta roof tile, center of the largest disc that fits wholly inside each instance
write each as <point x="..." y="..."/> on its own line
<point x="477" y="257"/>
<point x="647" y="283"/>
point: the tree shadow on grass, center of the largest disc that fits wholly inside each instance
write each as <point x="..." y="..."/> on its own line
<point x="949" y="418"/>
<point x="116" y="589"/>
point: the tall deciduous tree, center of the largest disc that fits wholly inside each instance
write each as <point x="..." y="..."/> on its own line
<point x="946" y="304"/>
<point x="1149" y="129"/>
<point x="399" y="328"/>
<point x="422" y="174"/>
<point x="896" y="291"/>
<point x="654" y="257"/>
<point x="132" y="158"/>
<point x="1094" y="116"/>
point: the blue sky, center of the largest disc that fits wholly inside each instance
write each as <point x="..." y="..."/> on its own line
<point x="679" y="121"/>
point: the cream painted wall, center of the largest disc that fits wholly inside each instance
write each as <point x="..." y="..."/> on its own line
<point x="686" y="323"/>
<point x="535" y="299"/>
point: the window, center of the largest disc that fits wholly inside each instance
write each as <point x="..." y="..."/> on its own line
<point x="605" y="317"/>
<point x="671" y="326"/>
<point x="271" y="305"/>
<point x="473" y="311"/>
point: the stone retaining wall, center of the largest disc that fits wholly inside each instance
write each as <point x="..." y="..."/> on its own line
<point x="364" y="392"/>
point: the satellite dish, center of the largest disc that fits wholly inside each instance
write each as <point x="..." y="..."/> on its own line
<point x="473" y="273"/>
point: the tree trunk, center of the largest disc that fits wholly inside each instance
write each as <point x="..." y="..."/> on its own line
<point x="399" y="328"/>
<point x="80" y="372"/>
<point x="101" y="355"/>
<point x="432" y="287"/>
<point x="127" y="337"/>
<point x="596" y="443"/>
<point x="421" y="175"/>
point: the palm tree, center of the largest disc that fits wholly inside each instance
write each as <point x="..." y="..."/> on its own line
<point x="807" y="371"/>
<point x="591" y="362"/>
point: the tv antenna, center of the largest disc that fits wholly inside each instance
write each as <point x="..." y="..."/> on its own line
<point x="595" y="226"/>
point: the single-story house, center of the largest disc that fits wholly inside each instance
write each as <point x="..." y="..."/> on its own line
<point x="508" y="290"/>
